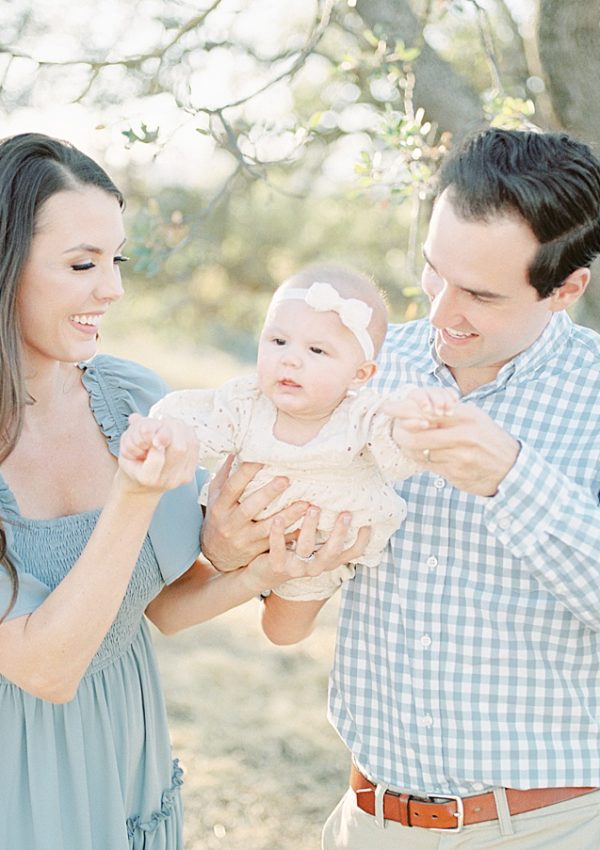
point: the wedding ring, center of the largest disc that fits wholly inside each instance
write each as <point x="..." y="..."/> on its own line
<point x="427" y="455"/>
<point x="306" y="558"/>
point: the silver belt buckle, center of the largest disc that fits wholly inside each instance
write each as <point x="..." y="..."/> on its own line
<point x="459" y="814"/>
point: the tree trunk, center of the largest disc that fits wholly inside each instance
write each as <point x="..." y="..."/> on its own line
<point x="569" y="49"/>
<point x="447" y="98"/>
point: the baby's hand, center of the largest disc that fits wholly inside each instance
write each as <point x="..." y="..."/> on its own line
<point x="158" y="454"/>
<point x="423" y="407"/>
<point x="139" y="437"/>
<point x="434" y="402"/>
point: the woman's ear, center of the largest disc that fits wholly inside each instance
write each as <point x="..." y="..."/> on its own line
<point x="364" y="373"/>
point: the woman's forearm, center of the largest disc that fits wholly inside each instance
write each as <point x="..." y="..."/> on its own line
<point x="286" y="622"/>
<point x="201" y="594"/>
<point x="48" y="651"/>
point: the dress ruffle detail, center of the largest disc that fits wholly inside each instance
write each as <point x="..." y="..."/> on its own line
<point x="117" y="388"/>
<point x="167" y="805"/>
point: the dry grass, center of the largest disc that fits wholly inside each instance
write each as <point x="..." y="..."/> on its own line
<point x="263" y="767"/>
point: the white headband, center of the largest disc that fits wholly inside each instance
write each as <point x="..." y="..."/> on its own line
<point x="354" y="314"/>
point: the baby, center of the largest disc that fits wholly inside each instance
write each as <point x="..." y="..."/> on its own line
<point x="309" y="416"/>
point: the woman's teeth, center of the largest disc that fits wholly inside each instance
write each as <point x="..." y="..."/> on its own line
<point x="85" y="320"/>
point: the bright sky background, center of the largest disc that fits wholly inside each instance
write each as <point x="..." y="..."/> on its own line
<point x="66" y="30"/>
<point x="70" y="29"/>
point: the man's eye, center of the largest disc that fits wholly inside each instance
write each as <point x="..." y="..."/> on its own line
<point x="81" y="267"/>
<point x="121" y="259"/>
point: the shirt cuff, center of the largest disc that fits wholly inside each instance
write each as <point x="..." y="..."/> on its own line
<point x="521" y="513"/>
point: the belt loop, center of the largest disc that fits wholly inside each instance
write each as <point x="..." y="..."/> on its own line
<point x="504" y="821"/>
<point x="380" y="791"/>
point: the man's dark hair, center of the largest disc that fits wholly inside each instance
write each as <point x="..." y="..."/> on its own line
<point x="550" y="180"/>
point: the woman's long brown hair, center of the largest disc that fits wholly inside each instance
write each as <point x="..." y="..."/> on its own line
<point x="33" y="168"/>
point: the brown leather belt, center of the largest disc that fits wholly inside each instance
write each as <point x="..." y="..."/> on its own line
<point x="454" y="812"/>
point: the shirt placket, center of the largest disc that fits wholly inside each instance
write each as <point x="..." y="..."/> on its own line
<point x="426" y="643"/>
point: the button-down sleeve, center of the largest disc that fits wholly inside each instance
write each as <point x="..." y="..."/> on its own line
<point x="553" y="526"/>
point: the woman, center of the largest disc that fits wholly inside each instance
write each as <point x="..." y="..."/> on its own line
<point x="89" y="542"/>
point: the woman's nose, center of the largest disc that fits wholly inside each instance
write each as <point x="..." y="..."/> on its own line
<point x="110" y="286"/>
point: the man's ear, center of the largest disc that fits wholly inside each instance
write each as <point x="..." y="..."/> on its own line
<point x="364" y="373"/>
<point x="571" y="290"/>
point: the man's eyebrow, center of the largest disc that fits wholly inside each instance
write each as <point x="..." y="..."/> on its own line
<point x="481" y="293"/>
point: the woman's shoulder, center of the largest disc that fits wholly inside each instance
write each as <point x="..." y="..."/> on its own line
<point x="124" y="374"/>
<point x="117" y="388"/>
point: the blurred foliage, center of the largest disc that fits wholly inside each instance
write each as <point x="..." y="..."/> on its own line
<point x="211" y="276"/>
<point x="319" y="127"/>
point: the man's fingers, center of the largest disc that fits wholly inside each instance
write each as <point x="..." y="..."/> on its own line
<point x="220" y="477"/>
<point x="359" y="545"/>
<point x="291" y="515"/>
<point x="252" y="505"/>
<point x="231" y="487"/>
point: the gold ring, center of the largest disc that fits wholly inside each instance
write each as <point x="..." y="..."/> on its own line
<point x="427" y="455"/>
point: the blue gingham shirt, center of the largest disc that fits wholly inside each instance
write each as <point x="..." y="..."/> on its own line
<point x="471" y="657"/>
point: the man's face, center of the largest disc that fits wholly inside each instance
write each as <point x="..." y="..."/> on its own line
<point x="483" y="308"/>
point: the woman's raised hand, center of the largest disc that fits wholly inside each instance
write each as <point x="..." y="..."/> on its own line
<point x="157" y="454"/>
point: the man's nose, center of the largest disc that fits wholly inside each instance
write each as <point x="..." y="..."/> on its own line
<point x="444" y="311"/>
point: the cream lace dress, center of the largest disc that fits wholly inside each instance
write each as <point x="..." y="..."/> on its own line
<point x="348" y="466"/>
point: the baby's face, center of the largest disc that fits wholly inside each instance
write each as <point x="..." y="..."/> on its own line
<point x="307" y="360"/>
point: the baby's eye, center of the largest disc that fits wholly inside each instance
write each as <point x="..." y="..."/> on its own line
<point x="82" y="267"/>
<point x="316" y="350"/>
<point x="278" y="341"/>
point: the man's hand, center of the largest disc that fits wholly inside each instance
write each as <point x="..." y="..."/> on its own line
<point x="466" y="447"/>
<point x="231" y="536"/>
<point x="281" y="563"/>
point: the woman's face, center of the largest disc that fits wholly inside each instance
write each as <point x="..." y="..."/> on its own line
<point x="71" y="277"/>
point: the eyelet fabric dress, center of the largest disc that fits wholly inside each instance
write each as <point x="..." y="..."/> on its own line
<point x="96" y="773"/>
<point x="348" y="466"/>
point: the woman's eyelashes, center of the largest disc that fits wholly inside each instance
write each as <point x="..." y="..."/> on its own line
<point x="82" y="267"/>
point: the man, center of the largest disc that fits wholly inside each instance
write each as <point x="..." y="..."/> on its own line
<point x="467" y="665"/>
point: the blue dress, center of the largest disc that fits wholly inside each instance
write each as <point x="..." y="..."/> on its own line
<point x="96" y="773"/>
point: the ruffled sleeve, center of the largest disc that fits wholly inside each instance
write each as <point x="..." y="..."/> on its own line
<point x="118" y="388"/>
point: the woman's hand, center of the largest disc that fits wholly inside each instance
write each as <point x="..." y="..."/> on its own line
<point x="231" y="534"/>
<point x="157" y="455"/>
<point x="281" y="563"/>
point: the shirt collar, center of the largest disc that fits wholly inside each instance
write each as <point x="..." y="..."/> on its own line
<point x="549" y="342"/>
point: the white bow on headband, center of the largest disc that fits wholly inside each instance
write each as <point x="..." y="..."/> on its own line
<point x="354" y="314"/>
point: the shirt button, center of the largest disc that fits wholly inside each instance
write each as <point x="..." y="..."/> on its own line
<point x="425" y="641"/>
<point x="504" y="522"/>
<point x="439" y="483"/>
<point x="427" y="721"/>
<point x="478" y="786"/>
<point x="432" y="562"/>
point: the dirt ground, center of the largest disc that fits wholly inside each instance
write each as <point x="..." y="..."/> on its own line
<point x="263" y="768"/>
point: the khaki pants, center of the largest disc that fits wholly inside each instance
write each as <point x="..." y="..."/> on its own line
<point x="572" y="825"/>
